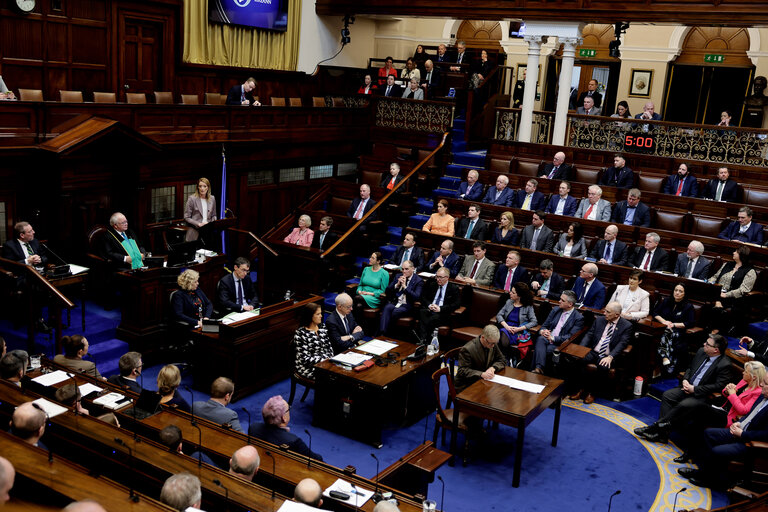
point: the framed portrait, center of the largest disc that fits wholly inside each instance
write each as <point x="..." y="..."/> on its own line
<point x="640" y="83"/>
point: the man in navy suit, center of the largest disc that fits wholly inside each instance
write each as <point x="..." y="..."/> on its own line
<point x="431" y="79"/>
<point x="499" y="195"/>
<point x="402" y="294"/>
<point x="275" y="430"/>
<point x="215" y="409"/>
<point x="562" y="323"/>
<point x="243" y="94"/>
<point x="721" y="188"/>
<point x="608" y="337"/>
<point x="590" y="292"/>
<point x="391" y="89"/>
<point x="472" y="226"/>
<point x="743" y="229"/>
<point x="362" y="204"/>
<point x="650" y="256"/>
<point x="632" y="212"/>
<point x="130" y="365"/>
<point x="649" y="113"/>
<point x="235" y="291"/>
<point x="510" y="273"/>
<point x="692" y="264"/>
<point x="471" y="190"/>
<point x="682" y="184"/>
<point x="324" y="238"/>
<point x="547" y="283"/>
<point x="439" y="299"/>
<point x="409" y="251"/>
<point x="342" y="327"/>
<point x="529" y="198"/>
<point x="709" y="372"/>
<point x="563" y="203"/>
<point x="609" y="249"/>
<point x="619" y="175"/>
<point x="557" y="170"/>
<point x="444" y="258"/>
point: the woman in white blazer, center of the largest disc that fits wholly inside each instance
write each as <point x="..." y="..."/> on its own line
<point x="635" y="302"/>
<point x="201" y="208"/>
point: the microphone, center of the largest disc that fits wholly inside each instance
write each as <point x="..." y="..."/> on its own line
<point x="247" y="432"/>
<point x="309" y="456"/>
<point x="132" y="495"/>
<point x="376" y="494"/>
<point x="442" y="494"/>
<point x="421" y="341"/>
<point x="269" y="454"/>
<point x="356" y="493"/>
<point x="194" y="424"/>
<point x="226" y="493"/>
<point x="618" y="491"/>
<point x="62" y="260"/>
<point x="674" y="504"/>
<point x="74" y="381"/>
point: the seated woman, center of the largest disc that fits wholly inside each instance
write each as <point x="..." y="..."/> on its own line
<point x="571" y="244"/>
<point x="168" y="380"/>
<point x="200" y="209"/>
<point x="420" y="56"/>
<point x="388" y="69"/>
<point x="373" y="283"/>
<point x="301" y="235"/>
<point x="622" y="110"/>
<point x="481" y="70"/>
<point x="311" y="342"/>
<point x="413" y="91"/>
<point x="368" y="87"/>
<point x="635" y="302"/>
<point x="506" y="233"/>
<point x="737" y="279"/>
<point x="190" y="305"/>
<point x="514" y="319"/>
<point x="411" y="71"/>
<point x="677" y="314"/>
<point x="75" y="348"/>
<point x="440" y="222"/>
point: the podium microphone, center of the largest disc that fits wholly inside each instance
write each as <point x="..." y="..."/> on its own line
<point x="376" y="494"/>
<point x="194" y="424"/>
<point x="442" y="494"/>
<point x="62" y="260"/>
<point x="309" y="456"/>
<point x="247" y="432"/>
<point x="226" y="493"/>
<point x="674" y="504"/>
<point x="132" y="495"/>
<point x="618" y="491"/>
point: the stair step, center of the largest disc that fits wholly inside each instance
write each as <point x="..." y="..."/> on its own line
<point x="449" y="183"/>
<point x="417" y="221"/>
<point x="444" y="192"/>
<point x="470" y="158"/>
<point x="425" y="205"/>
<point x="387" y="251"/>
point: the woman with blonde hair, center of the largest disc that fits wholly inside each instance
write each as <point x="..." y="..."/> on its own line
<point x="200" y="209"/>
<point x="190" y="305"/>
<point x="168" y="380"/>
<point x="506" y="233"/>
<point x="301" y="235"/>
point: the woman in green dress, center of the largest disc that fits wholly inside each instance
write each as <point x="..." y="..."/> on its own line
<point x="373" y="283"/>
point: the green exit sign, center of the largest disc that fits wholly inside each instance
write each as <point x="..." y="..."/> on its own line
<point x="711" y="57"/>
<point x="587" y="53"/>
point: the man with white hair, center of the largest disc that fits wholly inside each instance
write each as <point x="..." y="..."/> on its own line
<point x="471" y="190"/>
<point x="692" y="264"/>
<point x="182" y="492"/>
<point x="277" y="415"/>
<point x="385" y="506"/>
<point x="500" y="195"/>
<point x="245" y="462"/>
<point x="593" y="207"/>
<point x="28" y="423"/>
<point x="650" y="256"/>
<point x="342" y="327"/>
<point x="590" y="292"/>
<point x="119" y="244"/>
<point x="588" y="108"/>
<point x="557" y="170"/>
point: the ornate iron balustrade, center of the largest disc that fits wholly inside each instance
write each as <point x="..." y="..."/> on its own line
<point x="508" y="125"/>
<point x="414" y="115"/>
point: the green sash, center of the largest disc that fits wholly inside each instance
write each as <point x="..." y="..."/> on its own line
<point x="133" y="251"/>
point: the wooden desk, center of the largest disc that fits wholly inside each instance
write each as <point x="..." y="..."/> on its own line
<point x="512" y="407"/>
<point x="360" y="404"/>
<point x="72" y="280"/>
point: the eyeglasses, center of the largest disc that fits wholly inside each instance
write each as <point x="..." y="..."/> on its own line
<point x="708" y="344"/>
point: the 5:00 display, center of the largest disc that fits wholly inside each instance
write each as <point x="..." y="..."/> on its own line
<point x="638" y="142"/>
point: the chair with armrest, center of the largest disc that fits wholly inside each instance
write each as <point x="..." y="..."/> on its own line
<point x="104" y="97"/>
<point x="297" y="378"/>
<point x="137" y="98"/>
<point x="621" y="367"/>
<point x="754" y="472"/>
<point x="451" y="359"/>
<point x="707" y="226"/>
<point x="31" y="94"/>
<point x="482" y="306"/>
<point x="71" y="96"/>
<point x="650" y="183"/>
<point x="444" y="415"/>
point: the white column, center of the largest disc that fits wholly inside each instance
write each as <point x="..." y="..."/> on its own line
<point x="531" y="77"/>
<point x="564" y="89"/>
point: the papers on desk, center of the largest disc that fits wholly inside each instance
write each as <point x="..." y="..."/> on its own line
<point x="426" y="275"/>
<point x="391" y="266"/>
<point x="518" y="384"/>
<point x="112" y="401"/>
<point x="357" y="496"/>
<point x="236" y="317"/>
<point x="377" y="347"/>
<point x="292" y="506"/>
<point x="88" y="388"/>
<point x="50" y="408"/>
<point x="53" y="378"/>
<point x="350" y="359"/>
<point x="77" y="269"/>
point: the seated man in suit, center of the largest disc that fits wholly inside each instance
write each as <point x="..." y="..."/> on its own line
<point x="480" y="358"/>
<point x="650" y="256"/>
<point x="361" y="205"/>
<point x="388" y="181"/>
<point x="722" y="188"/>
<point x="471" y="190"/>
<point x="130" y="366"/>
<point x="342" y="327"/>
<point x="593" y="207"/>
<point x="536" y="236"/>
<point x="590" y="292"/>
<point x="692" y="264"/>
<point x="648" y="113"/>
<point x="557" y="170"/>
<point x="563" y="203"/>
<point x="443" y="258"/>
<point x="588" y="108"/>
<point x="409" y="252"/>
<point x="119" y="245"/>
<point x="510" y="273"/>
<point x="743" y="229"/>
<point x="709" y="372"/>
<point x="277" y="414"/>
<point x="563" y="322"/>
<point x="324" y="238"/>
<point x="547" y="283"/>
<point x="439" y="299"/>
<point x="608" y="337"/>
<point x="632" y="212"/>
<point x="28" y="423"/>
<point x="391" y="89"/>
<point x="619" y="175"/>
<point x="609" y="249"/>
<point x="215" y="409"/>
<point x="13" y="366"/>
<point x="236" y="291"/>
<point x="402" y="294"/>
<point x="500" y="195"/>
<point x="431" y="81"/>
<point x="472" y="226"/>
<point x="182" y="492"/>
<point x="477" y="268"/>
<point x="681" y="184"/>
<point x="529" y="198"/>
<point x="243" y="94"/>
<point x="245" y="462"/>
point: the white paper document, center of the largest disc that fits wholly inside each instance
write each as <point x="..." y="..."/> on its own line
<point x="391" y="266"/>
<point x="426" y="275"/>
<point x="89" y="388"/>
<point x="292" y="506"/>
<point x="357" y="496"/>
<point x="49" y="379"/>
<point x="236" y="317"/>
<point x="50" y="408"/>
<point x="110" y="400"/>
<point x="350" y="358"/>
<point x="377" y="347"/>
<point x="518" y="384"/>
<point x="77" y="269"/>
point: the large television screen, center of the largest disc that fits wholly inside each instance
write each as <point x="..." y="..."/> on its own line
<point x="267" y="14"/>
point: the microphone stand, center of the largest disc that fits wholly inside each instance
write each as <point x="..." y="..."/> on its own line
<point x="62" y="260"/>
<point x="74" y="381"/>
<point x="132" y="495"/>
<point x="247" y="432"/>
<point x="194" y="424"/>
<point x="226" y="493"/>
<point x="426" y="426"/>
<point x="376" y="494"/>
<point x="269" y="454"/>
<point x="674" y="504"/>
<point x="442" y="494"/>
<point x="618" y="491"/>
<point x="309" y="456"/>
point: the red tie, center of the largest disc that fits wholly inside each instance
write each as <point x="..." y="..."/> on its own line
<point x="509" y="279"/>
<point x="680" y="187"/>
<point x="589" y="211"/>
<point x="359" y="210"/>
<point x="474" y="269"/>
<point x="647" y="260"/>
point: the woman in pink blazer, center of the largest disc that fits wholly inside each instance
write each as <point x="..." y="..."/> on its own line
<point x="742" y="402"/>
<point x="201" y="208"/>
<point x="301" y="235"/>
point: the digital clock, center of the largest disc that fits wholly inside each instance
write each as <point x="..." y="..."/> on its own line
<point x="639" y="142"/>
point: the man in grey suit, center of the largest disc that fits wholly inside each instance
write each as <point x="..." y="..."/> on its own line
<point x="477" y="269"/>
<point x="589" y="108"/>
<point x="537" y="236"/>
<point x="215" y="409"/>
<point x="562" y="323"/>
<point x="692" y="264"/>
<point x="593" y="207"/>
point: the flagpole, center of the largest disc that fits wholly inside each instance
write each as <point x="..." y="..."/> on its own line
<point x="223" y="196"/>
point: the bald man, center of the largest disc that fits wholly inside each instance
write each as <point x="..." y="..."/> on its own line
<point x="309" y="492"/>
<point x="28" y="423"/>
<point x="84" y="506"/>
<point x="245" y="463"/>
<point x="7" y="477"/>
